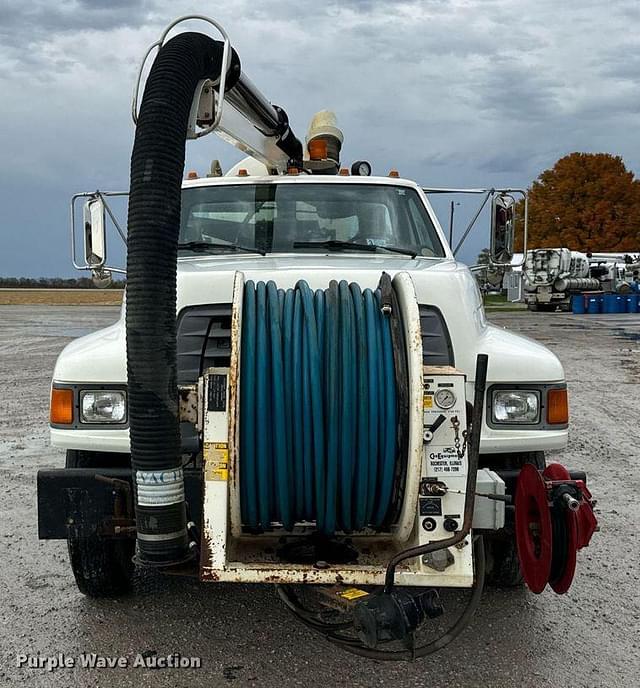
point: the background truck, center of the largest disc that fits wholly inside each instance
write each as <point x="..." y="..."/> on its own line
<point x="552" y="275"/>
<point x="616" y="272"/>
<point x="302" y="389"/>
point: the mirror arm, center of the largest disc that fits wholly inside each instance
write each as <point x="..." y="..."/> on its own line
<point x="488" y="195"/>
<point x="112" y="216"/>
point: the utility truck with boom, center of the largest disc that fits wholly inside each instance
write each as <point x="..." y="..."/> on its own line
<point x="552" y="275"/>
<point x="302" y="389"/>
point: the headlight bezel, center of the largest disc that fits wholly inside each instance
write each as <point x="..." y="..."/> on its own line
<point x="542" y="391"/>
<point x="78" y="390"/>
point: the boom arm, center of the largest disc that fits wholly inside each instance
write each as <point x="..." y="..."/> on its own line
<point x="242" y="116"/>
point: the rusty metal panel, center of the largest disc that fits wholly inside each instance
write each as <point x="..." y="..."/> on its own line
<point x="188" y="404"/>
<point x="216" y="468"/>
<point x="235" y="517"/>
<point x="239" y="572"/>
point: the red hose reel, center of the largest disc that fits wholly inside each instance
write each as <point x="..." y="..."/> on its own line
<point x="554" y="519"/>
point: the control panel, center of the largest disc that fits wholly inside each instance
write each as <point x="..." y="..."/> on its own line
<point x="444" y="463"/>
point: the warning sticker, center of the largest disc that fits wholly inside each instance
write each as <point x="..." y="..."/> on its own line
<point x="217" y="393"/>
<point x="352" y="593"/>
<point x="445" y="461"/>
<point x="216" y="461"/>
<point x="427" y="401"/>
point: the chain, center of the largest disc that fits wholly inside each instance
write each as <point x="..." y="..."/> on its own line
<point x="456" y="442"/>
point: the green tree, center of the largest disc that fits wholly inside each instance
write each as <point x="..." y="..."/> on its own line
<point x="585" y="202"/>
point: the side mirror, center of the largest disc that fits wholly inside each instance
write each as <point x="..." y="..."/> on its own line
<point x="95" y="242"/>
<point x="503" y="215"/>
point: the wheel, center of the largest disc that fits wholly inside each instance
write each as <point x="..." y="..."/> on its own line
<point x="101" y="567"/>
<point x="547" y="307"/>
<point x="532" y="307"/>
<point x="502" y="554"/>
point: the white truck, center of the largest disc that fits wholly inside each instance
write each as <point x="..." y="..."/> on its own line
<point x="552" y="275"/>
<point x="615" y="272"/>
<point x="302" y="388"/>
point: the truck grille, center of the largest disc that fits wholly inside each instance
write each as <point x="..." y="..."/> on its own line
<point x="436" y="343"/>
<point x="204" y="340"/>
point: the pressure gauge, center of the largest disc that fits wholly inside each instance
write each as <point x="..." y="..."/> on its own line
<point x="445" y="398"/>
<point x="361" y="168"/>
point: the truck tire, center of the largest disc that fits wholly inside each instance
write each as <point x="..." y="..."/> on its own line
<point x="101" y="567"/>
<point x="502" y="554"/>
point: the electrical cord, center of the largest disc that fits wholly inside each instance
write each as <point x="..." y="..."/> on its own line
<point x="355" y="646"/>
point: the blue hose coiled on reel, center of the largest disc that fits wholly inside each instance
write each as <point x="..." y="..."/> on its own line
<point x="318" y="407"/>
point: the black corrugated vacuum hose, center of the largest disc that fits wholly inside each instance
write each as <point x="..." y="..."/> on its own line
<point x="157" y="167"/>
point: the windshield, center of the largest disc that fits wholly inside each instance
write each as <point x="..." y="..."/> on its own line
<point x="293" y="217"/>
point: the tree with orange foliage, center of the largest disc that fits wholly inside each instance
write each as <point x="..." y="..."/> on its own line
<point x="585" y="202"/>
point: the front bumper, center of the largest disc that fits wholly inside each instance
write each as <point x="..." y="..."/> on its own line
<point x="88" y="501"/>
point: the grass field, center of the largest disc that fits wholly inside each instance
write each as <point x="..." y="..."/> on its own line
<point x="498" y="302"/>
<point x="113" y="297"/>
<point x="61" y="297"/>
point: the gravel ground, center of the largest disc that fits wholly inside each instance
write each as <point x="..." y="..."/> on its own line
<point x="244" y="637"/>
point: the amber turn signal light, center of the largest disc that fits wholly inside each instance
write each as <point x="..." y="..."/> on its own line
<point x="61" y="406"/>
<point x="557" y="407"/>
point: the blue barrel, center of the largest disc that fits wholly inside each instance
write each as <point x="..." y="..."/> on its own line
<point x="620" y="303"/>
<point x="631" y="303"/>
<point x="577" y="304"/>
<point x="610" y="303"/>
<point x="593" y="304"/>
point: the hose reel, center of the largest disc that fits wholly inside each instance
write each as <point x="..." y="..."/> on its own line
<point x="322" y="378"/>
<point x="554" y="519"/>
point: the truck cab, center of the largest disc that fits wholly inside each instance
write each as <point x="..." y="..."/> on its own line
<point x="321" y="229"/>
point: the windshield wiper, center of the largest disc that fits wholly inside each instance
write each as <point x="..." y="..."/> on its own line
<point x="204" y="246"/>
<point x="335" y="244"/>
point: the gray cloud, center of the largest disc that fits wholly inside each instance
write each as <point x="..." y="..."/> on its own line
<point x="451" y="92"/>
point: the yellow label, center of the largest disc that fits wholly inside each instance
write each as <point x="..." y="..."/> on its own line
<point x="352" y="593"/>
<point x="216" y="458"/>
<point x="427" y="401"/>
